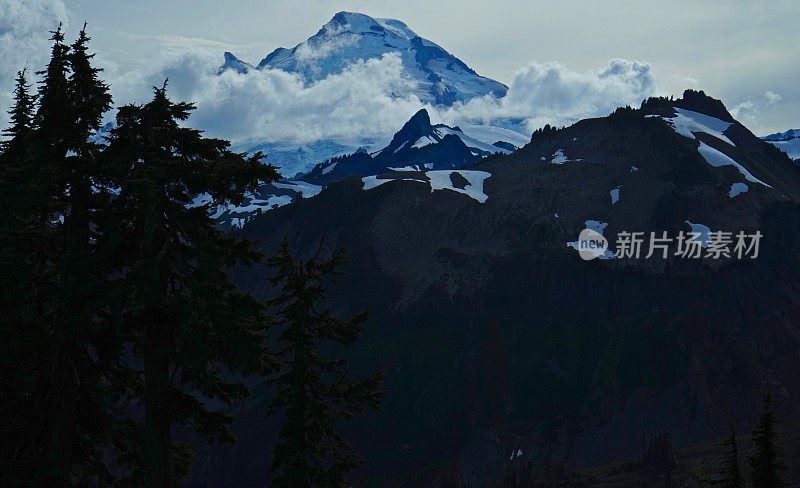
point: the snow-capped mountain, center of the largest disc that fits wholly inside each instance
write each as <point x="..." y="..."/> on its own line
<point x="235" y="64"/>
<point x="418" y="146"/>
<point x="441" y="78"/>
<point x="788" y="142"/>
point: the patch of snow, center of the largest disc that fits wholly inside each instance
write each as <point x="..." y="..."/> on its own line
<point x="424" y="141"/>
<point x="560" y="158"/>
<point x="717" y="159"/>
<point x="405" y="168"/>
<point x="614" y="195"/>
<point x="596" y="226"/>
<point x="469" y="141"/>
<point x="634" y="169"/>
<point x="401" y="147"/>
<point x="253" y="205"/>
<point x="306" y="190"/>
<point x="440" y="180"/>
<point x="737" y="189"/>
<point x="200" y="200"/>
<point x="371" y="182"/>
<point x="329" y="168"/>
<point x="701" y="229"/>
<point x="687" y="122"/>
<point x="489" y="134"/>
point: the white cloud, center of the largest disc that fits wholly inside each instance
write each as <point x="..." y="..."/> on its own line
<point x="374" y="98"/>
<point x="275" y="105"/>
<point x="551" y="93"/>
<point x="24" y="26"/>
<point x="745" y="112"/>
<point x="772" y="97"/>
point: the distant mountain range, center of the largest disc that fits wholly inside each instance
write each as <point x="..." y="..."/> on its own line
<point x="496" y="338"/>
<point x="788" y="142"/>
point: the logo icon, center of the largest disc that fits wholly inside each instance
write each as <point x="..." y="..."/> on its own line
<point x="590" y="244"/>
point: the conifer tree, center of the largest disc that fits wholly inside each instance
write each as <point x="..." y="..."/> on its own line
<point x="314" y="392"/>
<point x="89" y="95"/>
<point x="731" y="468"/>
<point x="21" y="114"/>
<point x="13" y="152"/>
<point x="53" y="118"/>
<point x="38" y="454"/>
<point x="189" y="325"/>
<point x="766" y="464"/>
<point x="63" y="351"/>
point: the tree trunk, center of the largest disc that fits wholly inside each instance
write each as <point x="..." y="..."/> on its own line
<point x="157" y="418"/>
<point x="67" y="371"/>
<point x="64" y="391"/>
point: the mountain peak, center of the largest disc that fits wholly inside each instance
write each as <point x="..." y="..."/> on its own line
<point x="234" y="63"/>
<point x="358" y="23"/>
<point x="420" y="120"/>
<point x="349" y="37"/>
<point x="698" y="101"/>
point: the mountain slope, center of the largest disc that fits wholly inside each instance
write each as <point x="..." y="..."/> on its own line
<point x="441" y="78"/>
<point x="418" y="145"/>
<point x="495" y="337"/>
<point x="788" y="142"/>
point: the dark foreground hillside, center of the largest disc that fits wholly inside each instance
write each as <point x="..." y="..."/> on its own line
<point x="501" y="346"/>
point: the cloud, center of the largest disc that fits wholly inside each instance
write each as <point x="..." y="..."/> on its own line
<point x="551" y="93"/>
<point x="24" y="26"/>
<point x="332" y="39"/>
<point x="745" y="112"/>
<point x="364" y="100"/>
<point x="374" y="98"/>
<point x="772" y="97"/>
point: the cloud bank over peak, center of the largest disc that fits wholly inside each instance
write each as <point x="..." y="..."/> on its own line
<point x="374" y="98"/>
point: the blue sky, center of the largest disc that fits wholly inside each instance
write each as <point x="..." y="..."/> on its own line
<point x="746" y="52"/>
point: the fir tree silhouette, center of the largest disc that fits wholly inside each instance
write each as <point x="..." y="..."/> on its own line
<point x="314" y="392"/>
<point x="766" y="464"/>
<point x="21" y="115"/>
<point x="731" y="468"/>
<point x="67" y="383"/>
<point x="189" y="325"/>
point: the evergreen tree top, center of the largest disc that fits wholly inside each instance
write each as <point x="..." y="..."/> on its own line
<point x="152" y="139"/>
<point x="90" y="96"/>
<point x="52" y="117"/>
<point x="23" y="110"/>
